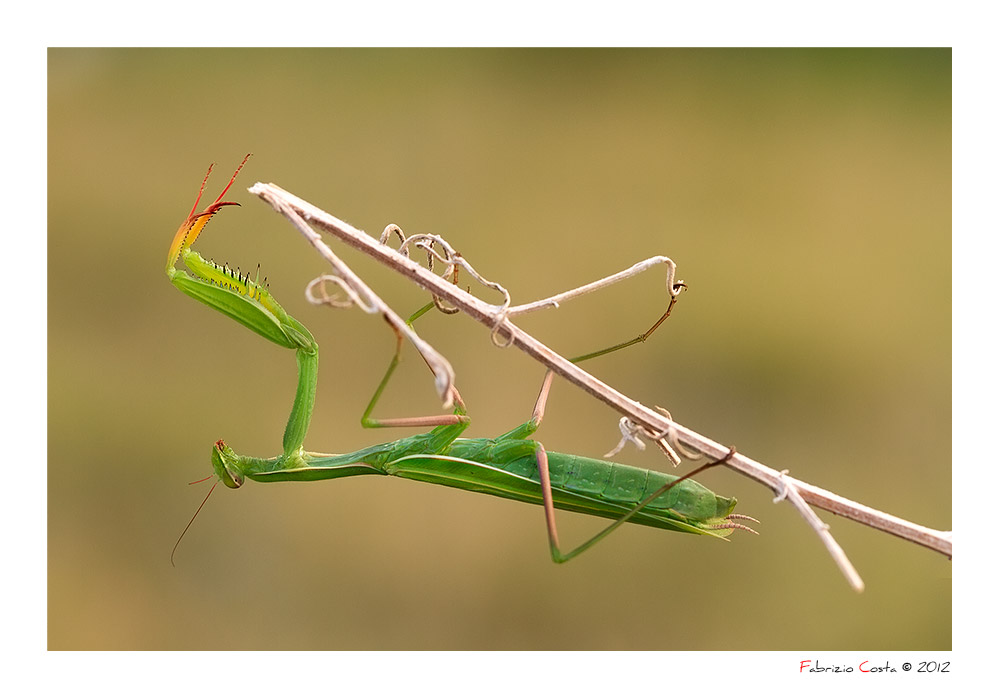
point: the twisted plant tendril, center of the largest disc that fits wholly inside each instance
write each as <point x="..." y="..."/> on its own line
<point x="317" y="294"/>
<point x="452" y="261"/>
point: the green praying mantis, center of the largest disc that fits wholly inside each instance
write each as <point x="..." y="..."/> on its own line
<point x="510" y="466"/>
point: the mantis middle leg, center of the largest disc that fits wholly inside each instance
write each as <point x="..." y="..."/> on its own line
<point x="447" y="427"/>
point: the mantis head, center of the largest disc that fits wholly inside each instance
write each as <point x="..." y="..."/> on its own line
<point x="227" y="465"/>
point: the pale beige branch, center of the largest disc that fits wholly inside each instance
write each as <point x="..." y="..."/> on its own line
<point x="650" y="422"/>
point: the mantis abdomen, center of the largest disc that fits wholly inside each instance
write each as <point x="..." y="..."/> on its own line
<point x="509" y="469"/>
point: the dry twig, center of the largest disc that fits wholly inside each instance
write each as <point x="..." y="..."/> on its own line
<point x="645" y="421"/>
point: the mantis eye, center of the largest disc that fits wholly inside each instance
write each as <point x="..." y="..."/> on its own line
<point x="226" y="465"/>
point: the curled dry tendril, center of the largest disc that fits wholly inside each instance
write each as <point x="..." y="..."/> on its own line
<point x="452" y="261"/>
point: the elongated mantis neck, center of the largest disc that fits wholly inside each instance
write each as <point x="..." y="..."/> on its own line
<point x="300" y="465"/>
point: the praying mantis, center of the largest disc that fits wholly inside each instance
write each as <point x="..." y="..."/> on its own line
<point x="510" y="466"/>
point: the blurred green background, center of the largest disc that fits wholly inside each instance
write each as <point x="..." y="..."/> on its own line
<point x="804" y="194"/>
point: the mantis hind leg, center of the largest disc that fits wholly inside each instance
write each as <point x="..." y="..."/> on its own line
<point x="550" y="513"/>
<point x="542" y="460"/>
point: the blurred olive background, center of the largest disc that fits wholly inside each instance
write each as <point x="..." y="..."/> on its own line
<point x="804" y="194"/>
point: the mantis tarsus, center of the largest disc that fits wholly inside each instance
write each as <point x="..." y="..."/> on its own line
<point x="509" y="466"/>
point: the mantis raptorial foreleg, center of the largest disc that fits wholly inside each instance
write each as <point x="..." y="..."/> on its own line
<point x="247" y="301"/>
